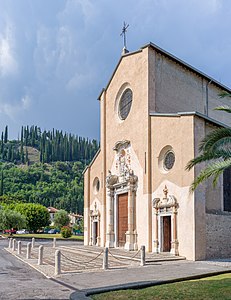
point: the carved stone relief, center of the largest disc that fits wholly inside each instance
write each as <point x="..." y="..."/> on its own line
<point x="123" y="159"/>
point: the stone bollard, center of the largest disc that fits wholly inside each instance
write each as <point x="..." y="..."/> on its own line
<point x="28" y="250"/>
<point x="33" y="242"/>
<point x="10" y="243"/>
<point x="57" y="262"/>
<point x="19" y="247"/>
<point x="54" y="242"/>
<point x="14" y="245"/>
<point x="105" y="259"/>
<point x="142" y="255"/>
<point x="40" y="255"/>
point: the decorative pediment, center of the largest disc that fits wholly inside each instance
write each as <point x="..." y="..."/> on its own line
<point x="166" y="201"/>
<point x="95" y="213"/>
<point x="121" y="145"/>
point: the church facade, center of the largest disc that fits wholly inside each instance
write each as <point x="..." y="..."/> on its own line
<point x="154" y="112"/>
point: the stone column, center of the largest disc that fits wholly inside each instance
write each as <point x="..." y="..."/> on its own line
<point x="105" y="259"/>
<point x="28" y="251"/>
<point x="90" y="241"/>
<point x="142" y="255"/>
<point x="156" y="239"/>
<point x="110" y="237"/>
<point x="10" y="243"/>
<point x="40" y="255"/>
<point x="174" y="243"/>
<point x="131" y="236"/>
<point x="129" y="245"/>
<point x="14" y="245"/>
<point x="19" y="247"/>
<point x="57" y="262"/>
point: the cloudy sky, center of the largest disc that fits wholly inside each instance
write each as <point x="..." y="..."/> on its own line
<point x="57" y="55"/>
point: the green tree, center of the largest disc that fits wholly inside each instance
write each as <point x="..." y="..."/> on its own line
<point x="215" y="148"/>
<point x="61" y="218"/>
<point x="1" y="184"/>
<point x="37" y="216"/>
<point x="11" y="219"/>
<point x="6" y="135"/>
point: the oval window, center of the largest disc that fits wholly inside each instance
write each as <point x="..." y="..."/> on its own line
<point x="96" y="185"/>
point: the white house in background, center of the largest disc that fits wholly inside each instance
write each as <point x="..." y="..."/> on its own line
<point x="52" y="211"/>
<point x="75" y="218"/>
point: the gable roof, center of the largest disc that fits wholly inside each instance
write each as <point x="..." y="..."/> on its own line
<point x="172" y="57"/>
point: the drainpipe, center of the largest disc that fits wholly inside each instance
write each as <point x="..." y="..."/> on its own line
<point x="207" y="99"/>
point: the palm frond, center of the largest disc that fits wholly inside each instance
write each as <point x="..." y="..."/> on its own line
<point x="224" y="108"/>
<point x="221" y="154"/>
<point x="225" y="94"/>
<point x="218" y="135"/>
<point x="215" y="170"/>
<point x="199" y="159"/>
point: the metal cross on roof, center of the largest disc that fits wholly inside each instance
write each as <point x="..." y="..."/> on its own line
<point x="123" y="33"/>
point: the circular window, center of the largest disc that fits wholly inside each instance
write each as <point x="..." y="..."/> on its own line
<point x="125" y="104"/>
<point x="169" y="160"/>
<point x="166" y="159"/>
<point x="96" y="185"/>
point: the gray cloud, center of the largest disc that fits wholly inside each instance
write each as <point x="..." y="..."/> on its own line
<point x="55" y="56"/>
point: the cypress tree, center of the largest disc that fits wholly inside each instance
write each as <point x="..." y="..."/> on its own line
<point x="6" y="134"/>
<point x="2" y="145"/>
<point x="1" y="184"/>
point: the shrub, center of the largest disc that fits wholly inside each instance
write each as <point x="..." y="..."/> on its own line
<point x="66" y="232"/>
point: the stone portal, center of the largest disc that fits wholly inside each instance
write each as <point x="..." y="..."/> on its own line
<point x="165" y="219"/>
<point x="121" y="201"/>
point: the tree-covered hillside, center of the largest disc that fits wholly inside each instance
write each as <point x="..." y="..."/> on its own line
<point x="59" y="184"/>
<point x="52" y="146"/>
<point x="44" y="167"/>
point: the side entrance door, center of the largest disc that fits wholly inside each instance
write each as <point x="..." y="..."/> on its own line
<point x="166" y="234"/>
<point x="122" y="218"/>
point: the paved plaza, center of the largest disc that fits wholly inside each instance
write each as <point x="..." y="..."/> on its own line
<point x="76" y="258"/>
<point x="82" y="273"/>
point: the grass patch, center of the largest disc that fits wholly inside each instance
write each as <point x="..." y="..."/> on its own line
<point x="46" y="236"/>
<point x="209" y="288"/>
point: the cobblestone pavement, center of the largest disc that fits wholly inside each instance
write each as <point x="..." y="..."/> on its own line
<point x="79" y="258"/>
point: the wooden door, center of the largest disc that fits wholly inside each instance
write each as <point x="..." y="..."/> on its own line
<point x="122" y="218"/>
<point x="167" y="234"/>
<point x="94" y="232"/>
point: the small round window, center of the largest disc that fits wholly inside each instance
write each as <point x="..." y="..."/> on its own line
<point x="169" y="160"/>
<point x="125" y="104"/>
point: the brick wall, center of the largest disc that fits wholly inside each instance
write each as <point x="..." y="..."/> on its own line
<point x="218" y="233"/>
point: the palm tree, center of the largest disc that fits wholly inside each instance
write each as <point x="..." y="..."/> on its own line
<point x="215" y="148"/>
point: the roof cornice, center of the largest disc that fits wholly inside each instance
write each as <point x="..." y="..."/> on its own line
<point x="188" y="113"/>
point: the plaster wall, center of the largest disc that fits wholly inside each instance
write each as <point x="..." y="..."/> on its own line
<point x="176" y="132"/>
<point x="178" y="89"/>
<point x="132" y="72"/>
<point x="94" y="196"/>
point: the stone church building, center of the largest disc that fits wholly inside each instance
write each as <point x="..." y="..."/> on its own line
<point x="154" y="112"/>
